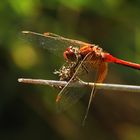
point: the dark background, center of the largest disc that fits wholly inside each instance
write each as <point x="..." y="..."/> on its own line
<point x="28" y="111"/>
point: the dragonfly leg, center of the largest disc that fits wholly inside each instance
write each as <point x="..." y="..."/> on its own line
<point x="85" y="68"/>
<point x="92" y="95"/>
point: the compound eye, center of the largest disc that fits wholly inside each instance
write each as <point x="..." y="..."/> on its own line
<point x="69" y="49"/>
<point x="70" y="55"/>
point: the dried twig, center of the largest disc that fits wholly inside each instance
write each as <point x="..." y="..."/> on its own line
<point x="117" y="87"/>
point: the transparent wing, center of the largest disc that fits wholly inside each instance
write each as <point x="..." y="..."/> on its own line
<point x="70" y="96"/>
<point x="52" y="41"/>
<point x="90" y="72"/>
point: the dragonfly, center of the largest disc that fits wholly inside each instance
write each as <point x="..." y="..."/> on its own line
<point x="81" y="59"/>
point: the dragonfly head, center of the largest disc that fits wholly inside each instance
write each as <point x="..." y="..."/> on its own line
<point x="71" y="54"/>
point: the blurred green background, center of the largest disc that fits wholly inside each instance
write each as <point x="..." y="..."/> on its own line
<point x="28" y="111"/>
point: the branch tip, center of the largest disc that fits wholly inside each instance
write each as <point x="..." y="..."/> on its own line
<point x="20" y="80"/>
<point x="25" y="32"/>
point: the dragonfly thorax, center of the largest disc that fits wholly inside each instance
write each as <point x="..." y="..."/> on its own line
<point x="94" y="50"/>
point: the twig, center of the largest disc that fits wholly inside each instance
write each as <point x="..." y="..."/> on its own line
<point x="117" y="87"/>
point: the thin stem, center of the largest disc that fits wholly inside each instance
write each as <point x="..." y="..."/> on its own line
<point x="105" y="86"/>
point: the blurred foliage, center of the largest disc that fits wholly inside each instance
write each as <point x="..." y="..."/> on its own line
<point x="28" y="111"/>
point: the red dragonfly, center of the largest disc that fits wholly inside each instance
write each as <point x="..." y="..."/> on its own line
<point x="80" y="58"/>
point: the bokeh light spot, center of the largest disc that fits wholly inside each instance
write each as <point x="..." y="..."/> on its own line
<point x="25" y="56"/>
